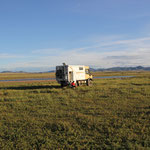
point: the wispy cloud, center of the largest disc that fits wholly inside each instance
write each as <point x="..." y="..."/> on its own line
<point x="48" y="51"/>
<point x="107" y="53"/>
<point x="7" y="56"/>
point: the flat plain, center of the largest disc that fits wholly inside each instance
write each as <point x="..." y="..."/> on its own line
<point x="111" y="114"/>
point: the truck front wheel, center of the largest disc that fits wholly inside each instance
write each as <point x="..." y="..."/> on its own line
<point x="88" y="82"/>
<point x="78" y="83"/>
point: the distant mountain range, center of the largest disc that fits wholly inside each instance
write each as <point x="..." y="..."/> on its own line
<point x="138" y="68"/>
<point x="13" y="72"/>
<point x="122" y="69"/>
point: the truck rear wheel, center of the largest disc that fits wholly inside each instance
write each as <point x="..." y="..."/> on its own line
<point x="62" y="84"/>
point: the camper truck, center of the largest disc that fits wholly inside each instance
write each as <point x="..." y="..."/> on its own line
<point x="66" y="74"/>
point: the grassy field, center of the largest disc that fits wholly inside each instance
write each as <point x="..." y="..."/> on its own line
<point x="112" y="114"/>
<point x="8" y="76"/>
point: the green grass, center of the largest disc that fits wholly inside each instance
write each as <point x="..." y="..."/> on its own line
<point x="7" y="76"/>
<point x="112" y="114"/>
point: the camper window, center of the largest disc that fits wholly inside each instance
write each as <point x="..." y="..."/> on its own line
<point x="80" y="68"/>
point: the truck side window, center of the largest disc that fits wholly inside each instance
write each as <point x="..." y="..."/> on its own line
<point x="80" y="68"/>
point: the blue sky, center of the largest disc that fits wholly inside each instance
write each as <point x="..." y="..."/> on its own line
<point x="37" y="35"/>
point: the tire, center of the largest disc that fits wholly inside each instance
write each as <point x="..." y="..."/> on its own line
<point x="78" y="83"/>
<point x="62" y="85"/>
<point x="89" y="82"/>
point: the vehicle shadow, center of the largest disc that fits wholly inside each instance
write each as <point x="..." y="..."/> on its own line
<point x="31" y="87"/>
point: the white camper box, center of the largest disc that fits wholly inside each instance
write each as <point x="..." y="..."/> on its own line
<point x="66" y="74"/>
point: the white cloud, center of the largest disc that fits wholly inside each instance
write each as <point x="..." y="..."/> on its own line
<point x="109" y="53"/>
<point x="48" y="51"/>
<point x="7" y="56"/>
